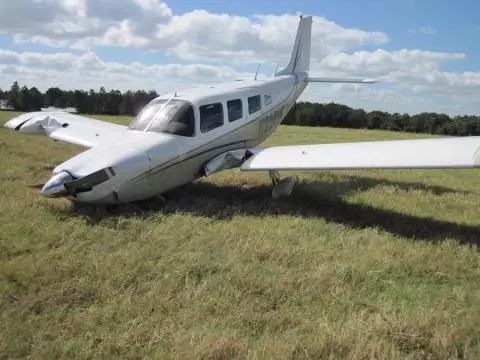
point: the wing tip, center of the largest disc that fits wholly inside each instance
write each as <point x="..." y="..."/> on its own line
<point x="16" y="122"/>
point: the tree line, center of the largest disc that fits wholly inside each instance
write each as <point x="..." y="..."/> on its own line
<point x="115" y="102"/>
<point x="112" y="102"/>
<point x="337" y="115"/>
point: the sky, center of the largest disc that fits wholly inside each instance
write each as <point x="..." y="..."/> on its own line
<point x="425" y="54"/>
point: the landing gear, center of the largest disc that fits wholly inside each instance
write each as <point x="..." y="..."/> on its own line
<point x="274" y="176"/>
<point x="281" y="187"/>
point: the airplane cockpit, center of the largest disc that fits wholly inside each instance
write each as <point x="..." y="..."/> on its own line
<point x="172" y="116"/>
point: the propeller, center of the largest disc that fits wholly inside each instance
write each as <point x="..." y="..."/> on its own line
<point x="63" y="184"/>
<point x="36" y="186"/>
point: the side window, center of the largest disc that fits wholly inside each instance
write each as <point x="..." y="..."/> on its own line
<point x="211" y="117"/>
<point x="235" y="110"/>
<point x="267" y="99"/>
<point x="254" y="104"/>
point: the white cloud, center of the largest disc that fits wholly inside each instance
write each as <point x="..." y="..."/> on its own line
<point x="63" y="22"/>
<point x="371" y="97"/>
<point x="200" y="34"/>
<point x="432" y="90"/>
<point x="70" y="71"/>
<point x="150" y="25"/>
<point x="392" y="66"/>
<point x="412" y="79"/>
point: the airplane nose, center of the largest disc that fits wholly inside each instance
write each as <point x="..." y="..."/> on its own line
<point x="55" y="186"/>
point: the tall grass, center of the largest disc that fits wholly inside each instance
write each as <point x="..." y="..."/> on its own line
<point x="354" y="265"/>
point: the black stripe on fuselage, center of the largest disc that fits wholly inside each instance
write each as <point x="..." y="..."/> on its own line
<point x="204" y="152"/>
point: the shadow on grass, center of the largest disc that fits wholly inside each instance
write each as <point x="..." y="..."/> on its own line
<point x="309" y="199"/>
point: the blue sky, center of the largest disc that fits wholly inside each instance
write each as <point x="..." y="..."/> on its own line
<point x="425" y="53"/>
<point x="457" y="25"/>
<point x="457" y="28"/>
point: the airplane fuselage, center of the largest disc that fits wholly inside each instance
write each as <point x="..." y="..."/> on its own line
<point x="145" y="163"/>
<point x="181" y="136"/>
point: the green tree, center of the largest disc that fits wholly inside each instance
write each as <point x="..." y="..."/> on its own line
<point x="23" y="100"/>
<point x="12" y="97"/>
<point x="332" y="114"/>
<point x="357" y="119"/>
<point x="52" y="95"/>
<point x="36" y="99"/>
<point x="376" y="119"/>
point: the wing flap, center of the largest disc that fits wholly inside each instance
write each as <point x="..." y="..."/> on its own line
<point x="70" y="128"/>
<point x="457" y="152"/>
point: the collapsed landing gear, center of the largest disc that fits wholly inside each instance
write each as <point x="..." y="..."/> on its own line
<point x="274" y="176"/>
<point x="281" y="187"/>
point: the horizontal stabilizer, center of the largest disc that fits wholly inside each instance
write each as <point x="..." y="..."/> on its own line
<point x="341" y="80"/>
<point x="459" y="152"/>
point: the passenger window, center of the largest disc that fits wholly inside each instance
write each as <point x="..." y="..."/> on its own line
<point x="235" y="110"/>
<point x="267" y="99"/>
<point x="254" y="104"/>
<point x="211" y="117"/>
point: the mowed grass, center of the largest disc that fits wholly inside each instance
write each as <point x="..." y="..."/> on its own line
<point x="355" y="265"/>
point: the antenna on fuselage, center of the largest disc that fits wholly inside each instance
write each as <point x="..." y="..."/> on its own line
<point x="276" y="69"/>
<point x="256" y="74"/>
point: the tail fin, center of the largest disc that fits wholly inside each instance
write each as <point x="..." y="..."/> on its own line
<point x="300" y="58"/>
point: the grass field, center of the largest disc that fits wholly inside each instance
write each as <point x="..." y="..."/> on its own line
<point x="355" y="265"/>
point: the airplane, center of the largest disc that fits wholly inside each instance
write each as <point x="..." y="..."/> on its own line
<point x="185" y="135"/>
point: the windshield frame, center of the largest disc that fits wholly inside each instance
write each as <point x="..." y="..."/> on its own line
<point x="162" y="104"/>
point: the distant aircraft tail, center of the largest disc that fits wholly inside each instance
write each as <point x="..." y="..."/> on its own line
<point x="300" y="58"/>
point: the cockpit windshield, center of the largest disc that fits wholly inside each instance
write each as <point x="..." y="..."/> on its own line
<point x="166" y="116"/>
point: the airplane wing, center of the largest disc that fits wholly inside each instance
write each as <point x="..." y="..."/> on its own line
<point x="459" y="152"/>
<point x="70" y="128"/>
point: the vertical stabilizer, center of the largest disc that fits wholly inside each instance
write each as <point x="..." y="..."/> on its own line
<point x="300" y="58"/>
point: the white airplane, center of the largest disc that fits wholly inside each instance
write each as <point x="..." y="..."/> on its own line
<point x="184" y="135"/>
